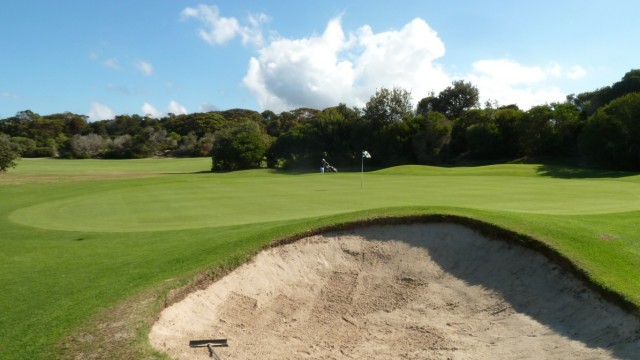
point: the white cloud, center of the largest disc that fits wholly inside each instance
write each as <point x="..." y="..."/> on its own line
<point x="173" y="108"/>
<point x="576" y="72"/>
<point x="337" y="67"/>
<point x="321" y="71"/>
<point x="112" y="63"/>
<point x="509" y="82"/>
<point x="218" y="30"/>
<point x="252" y="34"/>
<point x="176" y="108"/>
<point x="9" y="95"/>
<point x="100" y="111"/>
<point x="144" y="67"/>
<point x="206" y="107"/>
<point x="148" y="109"/>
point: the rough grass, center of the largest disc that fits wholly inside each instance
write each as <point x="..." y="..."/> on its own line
<point x="89" y="248"/>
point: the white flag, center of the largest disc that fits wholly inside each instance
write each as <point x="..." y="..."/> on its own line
<point x="366" y="154"/>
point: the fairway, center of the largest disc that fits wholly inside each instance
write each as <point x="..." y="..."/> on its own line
<point x="78" y="237"/>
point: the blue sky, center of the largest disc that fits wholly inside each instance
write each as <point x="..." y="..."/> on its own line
<point x="104" y="58"/>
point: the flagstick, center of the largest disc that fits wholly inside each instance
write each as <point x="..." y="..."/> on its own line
<point x="362" y="170"/>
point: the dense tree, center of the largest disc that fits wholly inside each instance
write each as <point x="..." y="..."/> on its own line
<point x="459" y="140"/>
<point x="307" y="135"/>
<point x="550" y="130"/>
<point x="71" y="124"/>
<point x="611" y="137"/>
<point x="301" y="146"/>
<point x="121" y="147"/>
<point x="590" y="102"/>
<point x="24" y="146"/>
<point x="125" y="125"/>
<point x="507" y="119"/>
<point x="427" y="104"/>
<point x="242" y="146"/>
<point x="187" y="145"/>
<point x="449" y="126"/>
<point x="537" y="131"/>
<point x="388" y="106"/>
<point x="453" y="101"/>
<point x="485" y="141"/>
<point x="8" y="153"/>
<point x="431" y="140"/>
<point x="340" y="134"/>
<point x="198" y="124"/>
<point x="241" y="115"/>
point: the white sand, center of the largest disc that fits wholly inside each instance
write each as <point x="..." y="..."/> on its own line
<point x="431" y="291"/>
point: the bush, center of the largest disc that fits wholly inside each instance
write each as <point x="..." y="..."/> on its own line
<point x="88" y="146"/>
<point x="241" y="147"/>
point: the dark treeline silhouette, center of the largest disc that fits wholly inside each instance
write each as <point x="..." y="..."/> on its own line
<point x="599" y="128"/>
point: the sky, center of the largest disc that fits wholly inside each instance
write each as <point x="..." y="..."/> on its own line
<point x="154" y="57"/>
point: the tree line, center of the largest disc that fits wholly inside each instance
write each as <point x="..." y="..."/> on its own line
<point x="598" y="128"/>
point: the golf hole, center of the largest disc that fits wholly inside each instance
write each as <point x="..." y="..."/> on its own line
<point x="437" y="291"/>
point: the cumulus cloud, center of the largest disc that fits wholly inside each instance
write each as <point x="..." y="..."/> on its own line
<point x="148" y="109"/>
<point x="510" y="82"/>
<point x="337" y="67"/>
<point x="173" y="108"/>
<point x="144" y="67"/>
<point x="176" y="108"/>
<point x="100" y="111"/>
<point x="334" y="67"/>
<point x="218" y="30"/>
<point x="576" y="72"/>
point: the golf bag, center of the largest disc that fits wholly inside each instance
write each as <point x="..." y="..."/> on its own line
<point x="329" y="168"/>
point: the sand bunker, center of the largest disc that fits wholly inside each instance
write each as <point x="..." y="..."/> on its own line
<point x="431" y="291"/>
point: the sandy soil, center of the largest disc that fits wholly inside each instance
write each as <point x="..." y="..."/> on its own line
<point x="431" y="291"/>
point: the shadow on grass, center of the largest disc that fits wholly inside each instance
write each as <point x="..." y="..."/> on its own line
<point x="570" y="172"/>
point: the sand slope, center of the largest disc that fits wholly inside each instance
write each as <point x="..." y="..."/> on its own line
<point x="430" y="291"/>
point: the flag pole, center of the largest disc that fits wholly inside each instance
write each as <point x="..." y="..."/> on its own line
<point x="362" y="170"/>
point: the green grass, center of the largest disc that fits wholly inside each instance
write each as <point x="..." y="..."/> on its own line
<point x="79" y="236"/>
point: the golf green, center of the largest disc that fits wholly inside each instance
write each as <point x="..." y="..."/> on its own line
<point x="173" y="203"/>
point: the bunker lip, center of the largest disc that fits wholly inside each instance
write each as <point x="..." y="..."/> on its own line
<point x="433" y="290"/>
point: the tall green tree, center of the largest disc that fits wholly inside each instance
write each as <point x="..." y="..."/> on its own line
<point x="432" y="137"/>
<point x="537" y="131"/>
<point x="590" y="102"/>
<point x="240" y="147"/>
<point x="194" y="123"/>
<point x="388" y="106"/>
<point x="459" y="141"/>
<point x="8" y="153"/>
<point x="507" y="119"/>
<point x="611" y="137"/>
<point x="453" y="101"/>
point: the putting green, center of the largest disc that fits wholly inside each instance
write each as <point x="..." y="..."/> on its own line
<point x="209" y="200"/>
